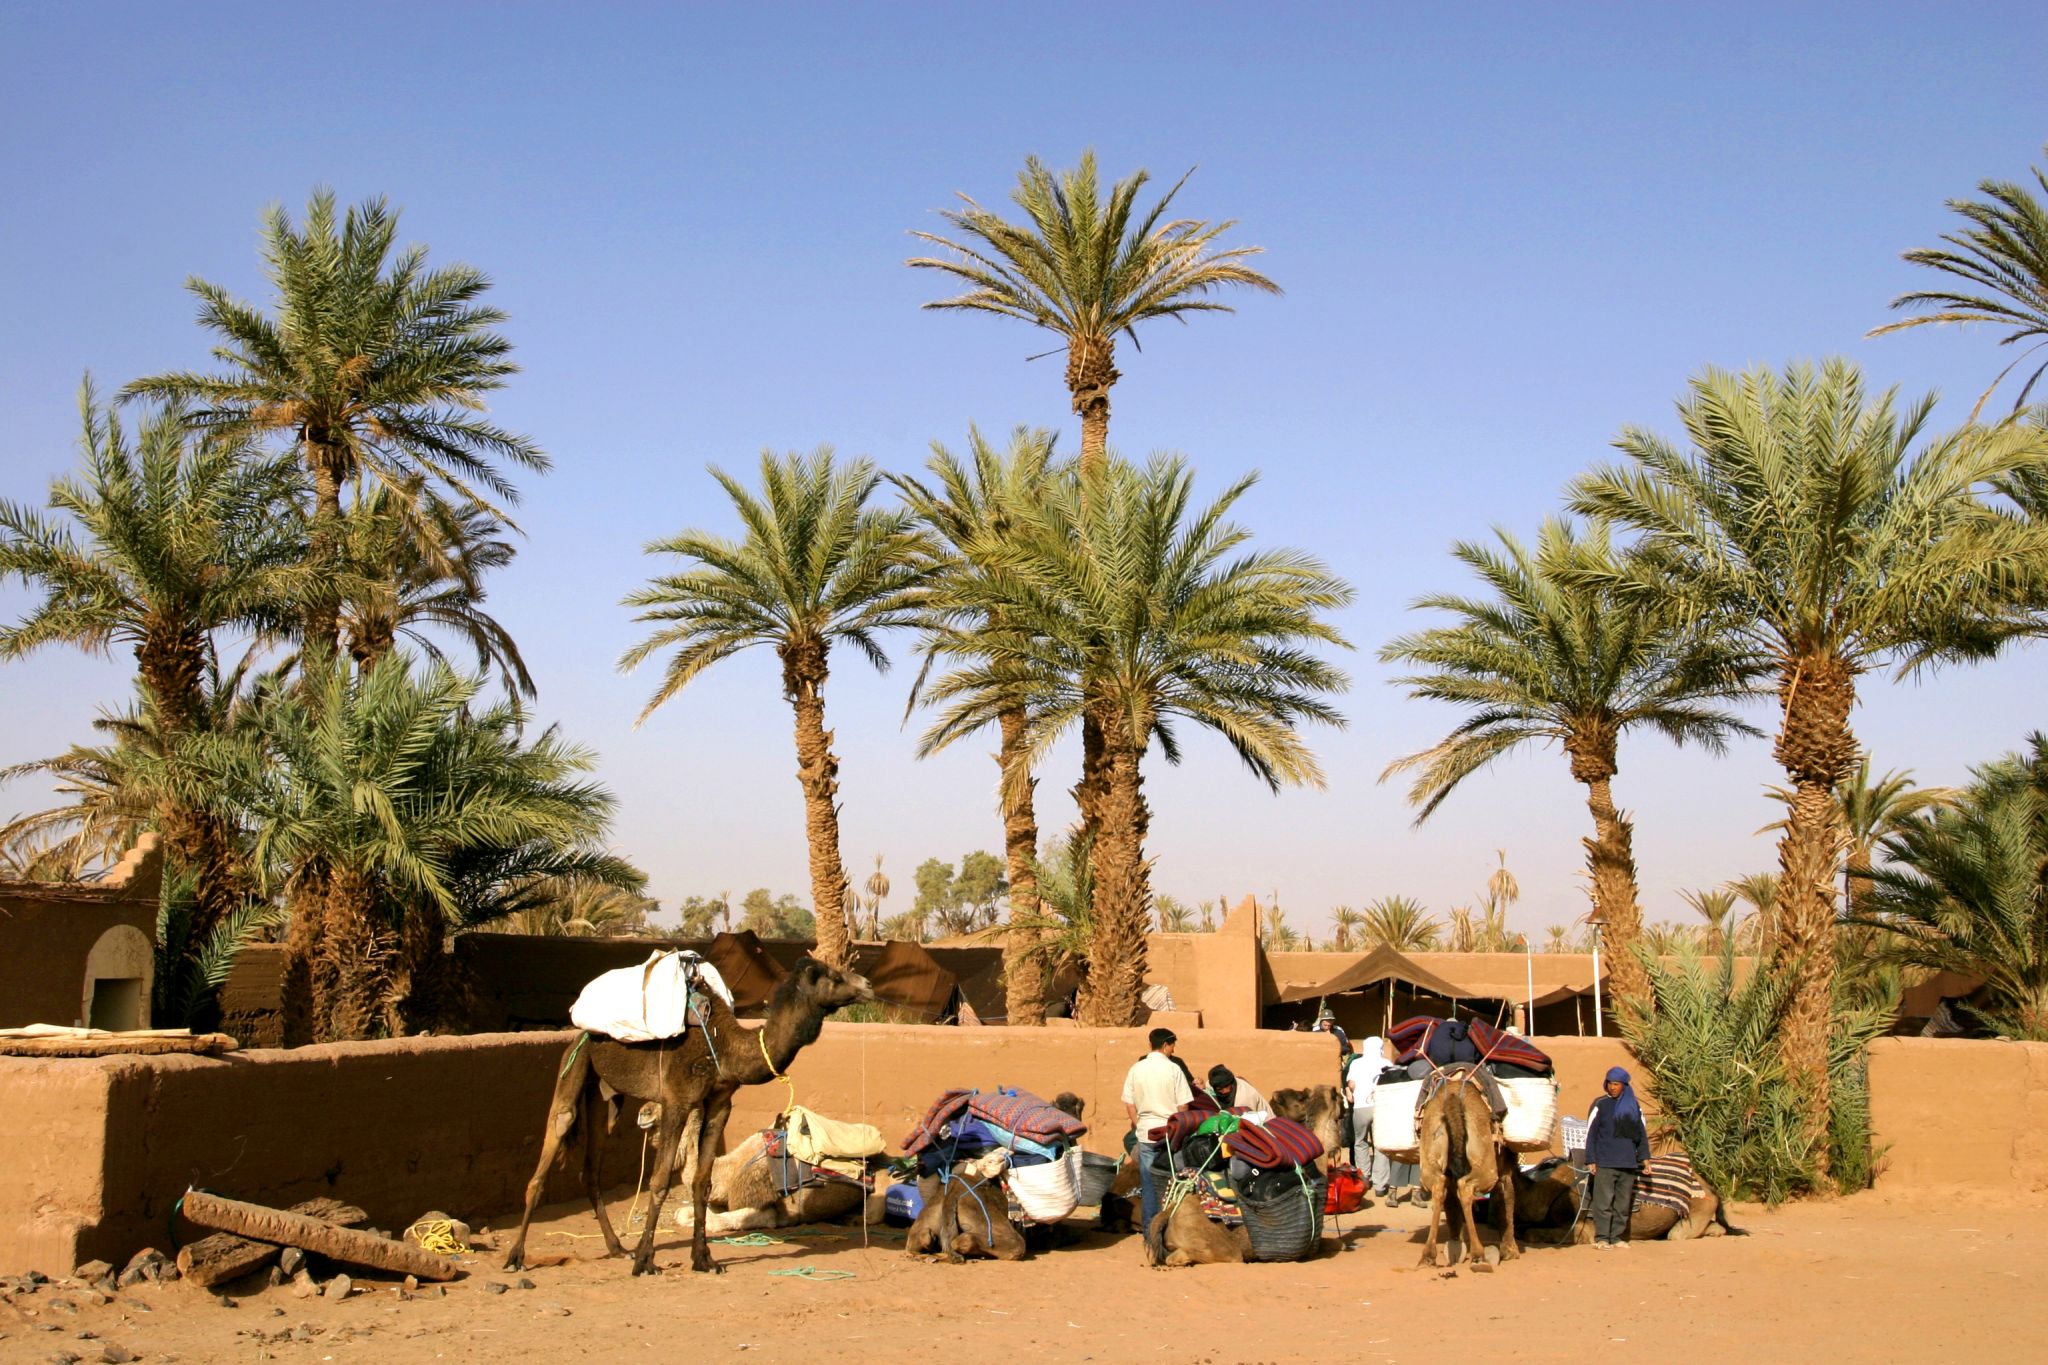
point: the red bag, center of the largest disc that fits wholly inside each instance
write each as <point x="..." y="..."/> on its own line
<point x="1347" y="1190"/>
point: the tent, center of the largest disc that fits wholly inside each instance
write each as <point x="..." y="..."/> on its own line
<point x="1381" y="964"/>
<point x="749" y="973"/>
<point x="906" y="976"/>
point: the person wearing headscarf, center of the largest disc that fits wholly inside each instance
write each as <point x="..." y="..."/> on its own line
<point x="1360" y="1076"/>
<point x="1232" y="1091"/>
<point x="1617" y="1145"/>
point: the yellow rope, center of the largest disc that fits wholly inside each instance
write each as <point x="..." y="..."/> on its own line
<point x="437" y="1235"/>
<point x="762" y="1037"/>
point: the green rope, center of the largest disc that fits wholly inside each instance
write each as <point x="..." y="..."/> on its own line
<point x="749" y="1239"/>
<point x="574" y="1048"/>
<point x="806" y="1272"/>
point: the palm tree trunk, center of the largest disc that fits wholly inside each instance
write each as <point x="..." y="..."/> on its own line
<point x="172" y="662"/>
<point x="1023" y="966"/>
<point x="1091" y="370"/>
<point x="307" y="898"/>
<point x="1817" y="750"/>
<point x="817" y="771"/>
<point x="322" y="608"/>
<point x="1610" y="860"/>
<point x="1116" y="952"/>
<point x="353" y="961"/>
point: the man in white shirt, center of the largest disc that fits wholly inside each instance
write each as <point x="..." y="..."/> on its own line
<point x="1153" y="1088"/>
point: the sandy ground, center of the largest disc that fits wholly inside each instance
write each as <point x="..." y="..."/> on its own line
<point x="1870" y="1278"/>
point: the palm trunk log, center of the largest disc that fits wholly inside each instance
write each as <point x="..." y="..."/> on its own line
<point x="1817" y="750"/>
<point x="1024" y="965"/>
<point x="1116" y="952"/>
<point x="172" y="662"/>
<point x="817" y="771"/>
<point x="322" y="608"/>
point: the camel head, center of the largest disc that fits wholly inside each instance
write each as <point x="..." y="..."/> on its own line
<point x="825" y="988"/>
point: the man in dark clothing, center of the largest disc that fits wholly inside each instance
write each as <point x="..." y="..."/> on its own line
<point x="1617" y="1145"/>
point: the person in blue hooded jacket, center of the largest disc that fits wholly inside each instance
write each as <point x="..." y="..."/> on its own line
<point x="1617" y="1145"/>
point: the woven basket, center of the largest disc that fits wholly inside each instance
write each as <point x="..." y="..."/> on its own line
<point x="1097" y="1174"/>
<point x="1286" y="1228"/>
<point x="1532" y="1113"/>
<point x="1393" y="1120"/>
<point x="1044" y="1192"/>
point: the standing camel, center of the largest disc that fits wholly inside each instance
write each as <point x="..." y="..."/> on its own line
<point x="1463" y="1151"/>
<point x="694" y="1082"/>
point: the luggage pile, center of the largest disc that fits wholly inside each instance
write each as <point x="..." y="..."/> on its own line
<point x="806" y="1149"/>
<point x="1046" y="1164"/>
<point x="1522" y="1073"/>
<point x="1264" y="1174"/>
<point x="650" y="1002"/>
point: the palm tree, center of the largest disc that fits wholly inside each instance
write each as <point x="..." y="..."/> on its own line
<point x="1276" y="935"/>
<point x="877" y="892"/>
<point x="1401" y="923"/>
<point x="972" y="507"/>
<point x="1551" y="653"/>
<point x="418" y="561"/>
<point x="2002" y="260"/>
<point x="1557" y="939"/>
<point x="1715" y="906"/>
<point x="1873" y="810"/>
<point x="373" y="364"/>
<point x="572" y="907"/>
<point x="1086" y="268"/>
<point x="1803" y="526"/>
<point x="1175" y="916"/>
<point x="1123" y="602"/>
<point x="1345" y="924"/>
<point x="1965" y="889"/>
<point x="160" y="544"/>
<point x="387" y="812"/>
<point x="816" y="567"/>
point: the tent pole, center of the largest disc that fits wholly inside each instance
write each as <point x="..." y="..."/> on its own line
<point x="1529" y="962"/>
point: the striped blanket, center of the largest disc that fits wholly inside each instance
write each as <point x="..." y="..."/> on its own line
<point x="1016" y="1111"/>
<point x="1411" y="1035"/>
<point x="1669" y="1182"/>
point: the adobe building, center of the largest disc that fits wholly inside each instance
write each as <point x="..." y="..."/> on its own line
<point x="82" y="953"/>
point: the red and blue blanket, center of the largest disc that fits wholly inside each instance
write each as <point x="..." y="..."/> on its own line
<point x="1411" y="1036"/>
<point x="1014" y="1111"/>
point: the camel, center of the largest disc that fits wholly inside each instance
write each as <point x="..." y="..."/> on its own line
<point x="1548" y="1201"/>
<point x="744" y="1197"/>
<point x="1318" y="1108"/>
<point x="967" y="1214"/>
<point x="1463" y="1153"/>
<point x="1181" y="1234"/>
<point x="693" y="1082"/>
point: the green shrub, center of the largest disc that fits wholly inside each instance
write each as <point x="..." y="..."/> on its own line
<point x="1711" y="1054"/>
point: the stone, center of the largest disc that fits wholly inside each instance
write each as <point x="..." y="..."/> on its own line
<point x="554" y="1310"/>
<point x="64" y="1358"/>
<point x="64" y="1306"/>
<point x="340" y="1287"/>
<point x="146" y="1256"/>
<point x="277" y="1312"/>
<point x="412" y="1283"/>
<point x="523" y="1283"/>
<point x="48" y="1327"/>
<point x="118" y="1355"/>
<point x="96" y="1297"/>
<point x="291" y="1260"/>
<point x="273" y="1277"/>
<point x="224" y="1301"/>
<point x="494" y="1287"/>
<point x="304" y="1286"/>
<point x="92" y="1270"/>
<point x="88" y="1335"/>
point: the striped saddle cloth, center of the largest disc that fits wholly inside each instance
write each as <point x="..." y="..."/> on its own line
<point x="1669" y="1182"/>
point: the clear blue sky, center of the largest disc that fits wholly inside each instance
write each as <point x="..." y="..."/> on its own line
<point x="1504" y="232"/>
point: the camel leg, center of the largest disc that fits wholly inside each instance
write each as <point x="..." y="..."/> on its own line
<point x="708" y="1137"/>
<point x="1504" y="1195"/>
<point x="593" y="1169"/>
<point x="1436" y="1213"/>
<point x="561" y="1122"/>
<point x="1468" y="1193"/>
<point x="667" y="1134"/>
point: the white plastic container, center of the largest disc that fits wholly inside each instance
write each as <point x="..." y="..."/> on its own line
<point x="1532" y="1113"/>
<point x="1393" y="1119"/>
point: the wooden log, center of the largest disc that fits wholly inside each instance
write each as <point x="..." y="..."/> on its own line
<point x="311" y="1234"/>
<point x="222" y="1256"/>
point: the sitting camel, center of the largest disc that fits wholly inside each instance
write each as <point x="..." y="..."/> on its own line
<point x="1181" y="1234"/>
<point x="744" y="1197"/>
<point x="1463" y="1153"/>
<point x="1673" y="1203"/>
<point x="967" y="1214"/>
<point x="693" y="1080"/>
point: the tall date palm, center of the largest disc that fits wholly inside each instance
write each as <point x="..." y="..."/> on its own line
<point x="816" y="566"/>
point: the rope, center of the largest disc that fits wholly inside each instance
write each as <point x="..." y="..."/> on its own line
<point x="437" y="1235"/>
<point x="762" y="1037"/>
<point x="749" y="1239"/>
<point x="806" y="1272"/>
